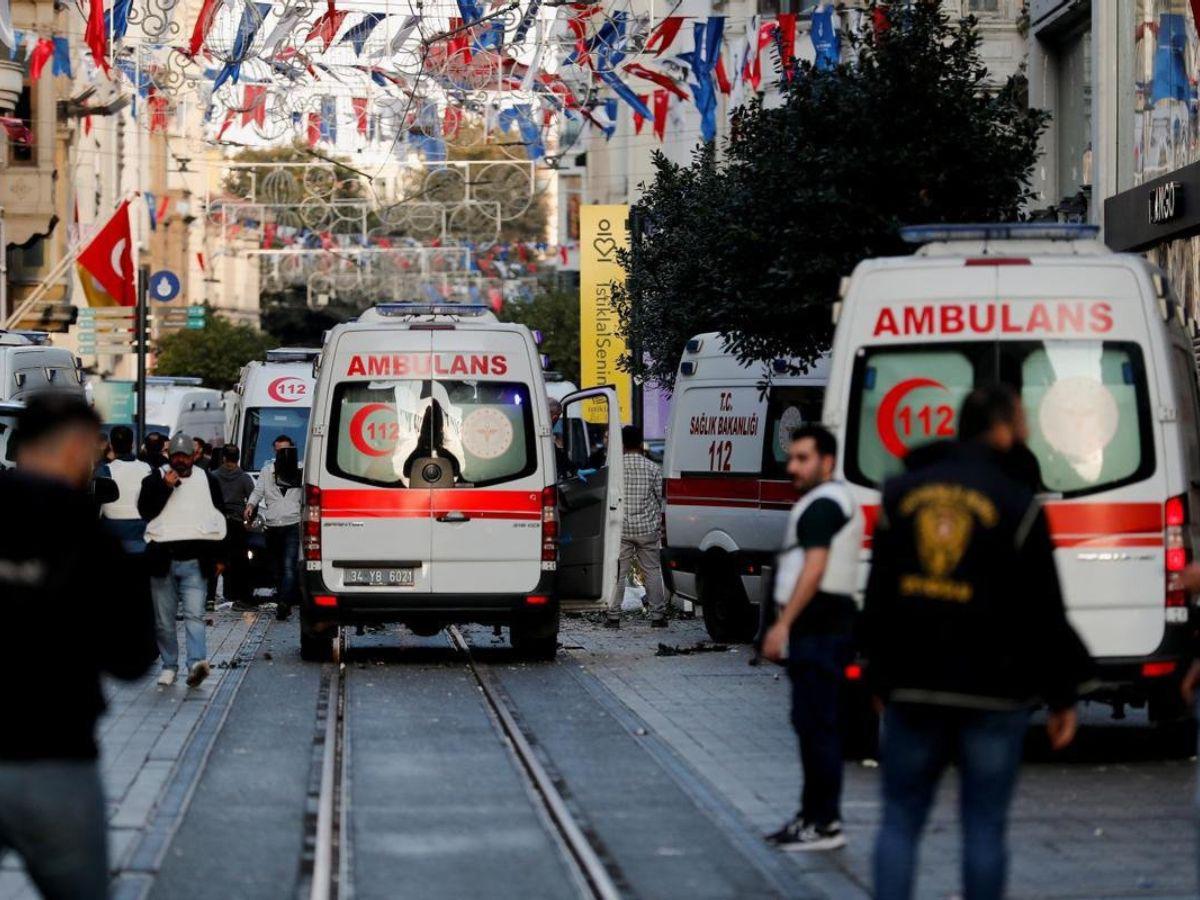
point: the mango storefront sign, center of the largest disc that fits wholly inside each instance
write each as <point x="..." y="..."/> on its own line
<point x="603" y="231"/>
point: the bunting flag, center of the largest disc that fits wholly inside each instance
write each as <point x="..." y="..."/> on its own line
<point x="328" y="119"/>
<point x="313" y="129"/>
<point x="722" y="77"/>
<point x="229" y="114"/>
<point x="659" y="78"/>
<point x="327" y="26"/>
<point x="200" y="260"/>
<point x="204" y="22"/>
<point x="252" y="18"/>
<point x="269" y="231"/>
<point x="452" y="122"/>
<point x="360" y="113"/>
<point x="785" y="37"/>
<point x="664" y="35"/>
<point x="359" y="34"/>
<point x="7" y="37"/>
<point x="43" y="50"/>
<point x="254" y="105"/>
<point x="105" y="265"/>
<point x="622" y="90"/>
<point x="164" y="205"/>
<point x="662" y="102"/>
<point x="283" y="29"/>
<point x="158" y="112"/>
<point x="152" y="208"/>
<point x="827" y="44"/>
<point x="120" y="18"/>
<point x="62" y="56"/>
<point x="638" y="121"/>
<point x="703" y="60"/>
<point x="402" y="35"/>
<point x="95" y="35"/>
<point x="17" y="130"/>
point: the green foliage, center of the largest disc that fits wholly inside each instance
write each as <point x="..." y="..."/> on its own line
<point x="294" y="324"/>
<point x="556" y="315"/>
<point x="753" y="244"/>
<point x="215" y="352"/>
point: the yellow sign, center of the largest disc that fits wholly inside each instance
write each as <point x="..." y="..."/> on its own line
<point x="603" y="231"/>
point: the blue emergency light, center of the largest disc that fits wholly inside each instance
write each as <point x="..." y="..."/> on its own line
<point x="432" y="309"/>
<point x="999" y="231"/>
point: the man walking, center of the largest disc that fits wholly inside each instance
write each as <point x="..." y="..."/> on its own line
<point x="640" y="538"/>
<point x="122" y="516"/>
<point x="185" y="524"/>
<point x="812" y="634"/>
<point x="964" y="631"/>
<point x="236" y="488"/>
<point x="60" y="569"/>
<point x="281" y="513"/>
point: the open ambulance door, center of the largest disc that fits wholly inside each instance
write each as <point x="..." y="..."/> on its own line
<point x="590" y="500"/>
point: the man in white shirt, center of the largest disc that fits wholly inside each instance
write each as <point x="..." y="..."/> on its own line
<point x="281" y="514"/>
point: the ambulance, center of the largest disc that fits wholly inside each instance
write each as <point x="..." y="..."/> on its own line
<point x="1100" y="351"/>
<point x="272" y="398"/>
<point x="726" y="490"/>
<point x="431" y="496"/>
<point x="181" y="403"/>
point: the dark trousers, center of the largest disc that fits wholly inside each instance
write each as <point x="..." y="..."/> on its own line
<point x="919" y="742"/>
<point x="815" y="667"/>
<point x="283" y="548"/>
<point x="237" y="567"/>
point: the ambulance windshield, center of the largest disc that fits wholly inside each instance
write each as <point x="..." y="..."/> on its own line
<point x="381" y="427"/>
<point x="1085" y="401"/>
<point x="264" y="425"/>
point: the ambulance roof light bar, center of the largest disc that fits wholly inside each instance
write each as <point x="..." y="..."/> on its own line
<point x="999" y="231"/>
<point x="432" y="309"/>
<point x="292" y="354"/>
<point x="175" y="380"/>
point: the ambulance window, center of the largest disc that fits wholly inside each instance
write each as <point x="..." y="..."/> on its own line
<point x="376" y="428"/>
<point x="488" y="428"/>
<point x="1087" y="412"/>
<point x="904" y="397"/>
<point x="787" y="409"/>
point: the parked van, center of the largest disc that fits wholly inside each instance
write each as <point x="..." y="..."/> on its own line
<point x="1100" y="351"/>
<point x="727" y="493"/>
<point x="29" y="365"/>
<point x="272" y="398"/>
<point x="176" y="404"/>
<point x="431" y="495"/>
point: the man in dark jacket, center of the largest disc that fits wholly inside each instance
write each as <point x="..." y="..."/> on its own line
<point x="59" y="565"/>
<point x="965" y="632"/>
<point x="185" y="523"/>
<point x="236" y="488"/>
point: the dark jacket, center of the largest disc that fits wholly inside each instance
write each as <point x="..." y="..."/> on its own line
<point x="236" y="487"/>
<point x="963" y="606"/>
<point x="74" y="607"/>
<point x="155" y="494"/>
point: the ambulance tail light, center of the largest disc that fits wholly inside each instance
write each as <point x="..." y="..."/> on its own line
<point x="312" y="523"/>
<point x="1175" y="516"/>
<point x="549" y="529"/>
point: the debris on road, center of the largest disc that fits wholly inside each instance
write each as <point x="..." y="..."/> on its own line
<point x="698" y="647"/>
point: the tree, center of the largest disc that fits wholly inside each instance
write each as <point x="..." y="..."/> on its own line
<point x="753" y="245"/>
<point x="556" y="315"/>
<point x="215" y="352"/>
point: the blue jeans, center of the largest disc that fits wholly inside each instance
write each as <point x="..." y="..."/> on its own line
<point x="283" y="545"/>
<point x="815" y="666"/>
<point x="183" y="584"/>
<point x="52" y="814"/>
<point x="919" y="742"/>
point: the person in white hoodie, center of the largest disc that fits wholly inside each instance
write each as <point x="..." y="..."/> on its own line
<point x="185" y="526"/>
<point x="121" y="517"/>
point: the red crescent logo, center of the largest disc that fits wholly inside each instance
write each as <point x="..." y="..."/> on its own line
<point x="885" y="418"/>
<point x="288" y="389"/>
<point x="357" y="422"/>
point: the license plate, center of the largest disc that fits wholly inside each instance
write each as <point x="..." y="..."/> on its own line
<point x="380" y="577"/>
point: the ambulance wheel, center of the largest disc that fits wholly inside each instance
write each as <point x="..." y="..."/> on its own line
<point x="530" y="645"/>
<point x="728" y="616"/>
<point x="316" y="646"/>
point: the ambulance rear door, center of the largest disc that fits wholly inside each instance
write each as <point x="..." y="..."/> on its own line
<point x="591" y="499"/>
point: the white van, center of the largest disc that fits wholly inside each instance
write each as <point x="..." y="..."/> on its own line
<point x="726" y="491"/>
<point x="28" y="366"/>
<point x="1101" y="353"/>
<point x="272" y="398"/>
<point x="178" y="403"/>
<point x="430" y="488"/>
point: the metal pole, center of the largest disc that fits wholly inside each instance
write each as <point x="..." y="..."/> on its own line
<point x="142" y="337"/>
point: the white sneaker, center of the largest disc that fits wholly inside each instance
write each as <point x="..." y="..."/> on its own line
<point x="166" y="678"/>
<point x="198" y="672"/>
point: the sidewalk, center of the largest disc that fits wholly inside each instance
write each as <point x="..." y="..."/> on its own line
<point x="143" y="736"/>
<point x="1115" y="820"/>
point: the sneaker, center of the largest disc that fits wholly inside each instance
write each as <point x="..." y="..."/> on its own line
<point x="660" y="622"/>
<point x="798" y="835"/>
<point x="166" y="678"/>
<point x="612" y="623"/>
<point x="197" y="673"/>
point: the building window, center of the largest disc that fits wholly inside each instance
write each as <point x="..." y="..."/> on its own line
<point x="1073" y="110"/>
<point x="974" y="7"/>
<point x="23" y="154"/>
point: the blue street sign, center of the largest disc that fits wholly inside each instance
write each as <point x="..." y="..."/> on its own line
<point x="164" y="286"/>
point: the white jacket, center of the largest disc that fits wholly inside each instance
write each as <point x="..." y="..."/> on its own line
<point x="841" y="571"/>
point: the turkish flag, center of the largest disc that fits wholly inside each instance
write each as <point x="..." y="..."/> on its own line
<point x="108" y="262"/>
<point x="96" y="35"/>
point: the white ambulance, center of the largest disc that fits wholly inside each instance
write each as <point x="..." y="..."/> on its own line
<point x="1100" y="351"/>
<point x="431" y="496"/>
<point x="272" y="399"/>
<point x="726" y="491"/>
<point x="181" y="403"/>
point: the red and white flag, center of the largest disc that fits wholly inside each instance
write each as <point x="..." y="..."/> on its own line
<point x="106" y="264"/>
